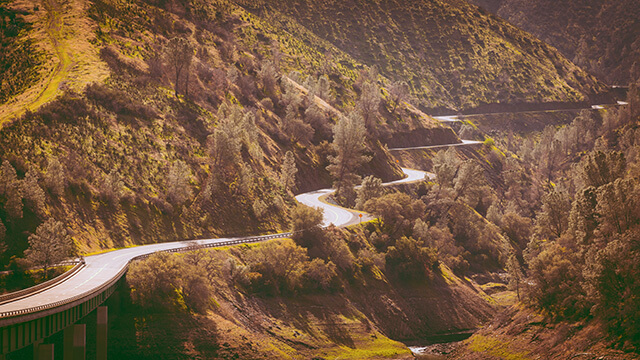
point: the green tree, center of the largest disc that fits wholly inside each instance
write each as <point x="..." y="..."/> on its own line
<point x="260" y="208"/>
<point x="179" y="55"/>
<point x="368" y="104"/>
<point x="469" y="183"/>
<point x="55" y="177"/>
<point x="397" y="210"/>
<point x="348" y="145"/>
<point x="306" y="224"/>
<point x="50" y="245"/>
<point x="113" y="187"/>
<point x="33" y="193"/>
<point x="371" y="188"/>
<point x="583" y="218"/>
<point x="178" y="187"/>
<point x="515" y="274"/>
<point x="445" y="166"/>
<point x="295" y="128"/>
<point x="603" y="167"/>
<point x="11" y="189"/>
<point x="553" y="220"/>
<point x="155" y="281"/>
<point x="288" y="171"/>
<point x="268" y="75"/>
<point x="618" y="206"/>
<point x="410" y="261"/>
<point x="556" y="282"/>
<point x="321" y="273"/>
<point x="517" y="228"/>
<point x="3" y="244"/>
<point x="281" y="265"/>
<point x="323" y="88"/>
<point x="617" y="282"/>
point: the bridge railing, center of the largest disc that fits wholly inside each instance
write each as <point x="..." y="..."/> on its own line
<point x="5" y="298"/>
<point x="90" y="293"/>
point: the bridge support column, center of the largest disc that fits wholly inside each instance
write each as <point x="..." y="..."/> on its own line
<point x="101" y="339"/>
<point x="67" y="347"/>
<point x="79" y="342"/>
<point x="36" y="350"/>
<point x="45" y="352"/>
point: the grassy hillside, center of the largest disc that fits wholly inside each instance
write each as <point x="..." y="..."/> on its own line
<point x="599" y="36"/>
<point x="451" y="54"/>
<point x="55" y="51"/>
<point x="355" y="315"/>
<point x="126" y="161"/>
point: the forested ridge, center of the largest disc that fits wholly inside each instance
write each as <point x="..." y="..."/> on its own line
<point x="215" y="113"/>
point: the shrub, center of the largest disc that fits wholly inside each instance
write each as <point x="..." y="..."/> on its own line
<point x="410" y="261"/>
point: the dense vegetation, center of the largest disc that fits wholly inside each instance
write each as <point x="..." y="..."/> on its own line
<point x="451" y="55"/>
<point x="19" y="58"/>
<point x="571" y="212"/>
<point x="217" y="112"/>
<point x="599" y="36"/>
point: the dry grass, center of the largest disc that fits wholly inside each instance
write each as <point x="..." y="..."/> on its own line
<point x="64" y="33"/>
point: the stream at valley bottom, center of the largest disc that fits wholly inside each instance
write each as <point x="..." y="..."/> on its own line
<point x="437" y="346"/>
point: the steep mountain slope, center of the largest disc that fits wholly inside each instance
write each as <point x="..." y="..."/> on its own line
<point x="601" y="36"/>
<point x="52" y="50"/>
<point x="451" y="54"/>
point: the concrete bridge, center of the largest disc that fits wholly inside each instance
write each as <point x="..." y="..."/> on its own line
<point x="29" y="317"/>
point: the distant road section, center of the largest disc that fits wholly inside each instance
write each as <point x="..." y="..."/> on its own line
<point x="340" y="216"/>
<point x="464" y="142"/>
<point x="102" y="268"/>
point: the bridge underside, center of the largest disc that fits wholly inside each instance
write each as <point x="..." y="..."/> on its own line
<point x="33" y="328"/>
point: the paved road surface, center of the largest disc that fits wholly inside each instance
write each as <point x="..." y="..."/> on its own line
<point x="464" y="142"/>
<point x="339" y="216"/>
<point x="101" y="268"/>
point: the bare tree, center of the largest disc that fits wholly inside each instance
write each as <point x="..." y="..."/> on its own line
<point x="179" y="54"/>
<point x="369" y="103"/>
<point x="399" y="91"/>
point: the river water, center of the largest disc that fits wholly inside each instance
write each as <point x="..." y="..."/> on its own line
<point x="437" y="347"/>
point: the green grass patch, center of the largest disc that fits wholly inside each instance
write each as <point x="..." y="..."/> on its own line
<point x="495" y="347"/>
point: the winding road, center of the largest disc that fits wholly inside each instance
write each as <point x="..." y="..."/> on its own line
<point x="102" y="268"/>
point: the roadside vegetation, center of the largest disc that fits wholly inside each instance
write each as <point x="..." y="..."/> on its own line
<point x="570" y="212"/>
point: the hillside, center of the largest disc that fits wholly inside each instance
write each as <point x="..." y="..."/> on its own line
<point x="602" y="37"/>
<point x="360" y="313"/>
<point x="451" y="54"/>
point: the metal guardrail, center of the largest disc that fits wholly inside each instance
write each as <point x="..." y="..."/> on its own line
<point x="89" y="294"/>
<point x="42" y="286"/>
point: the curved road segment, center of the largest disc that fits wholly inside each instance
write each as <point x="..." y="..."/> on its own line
<point x="101" y="268"/>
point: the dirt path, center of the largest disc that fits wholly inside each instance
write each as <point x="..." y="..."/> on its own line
<point x="55" y="31"/>
<point x="63" y="32"/>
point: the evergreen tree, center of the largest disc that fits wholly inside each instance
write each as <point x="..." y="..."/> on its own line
<point x="178" y="187"/>
<point x="11" y="188"/>
<point x="348" y="145"/>
<point x="55" y="177"/>
<point x="49" y="245"/>
<point x="288" y="171"/>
